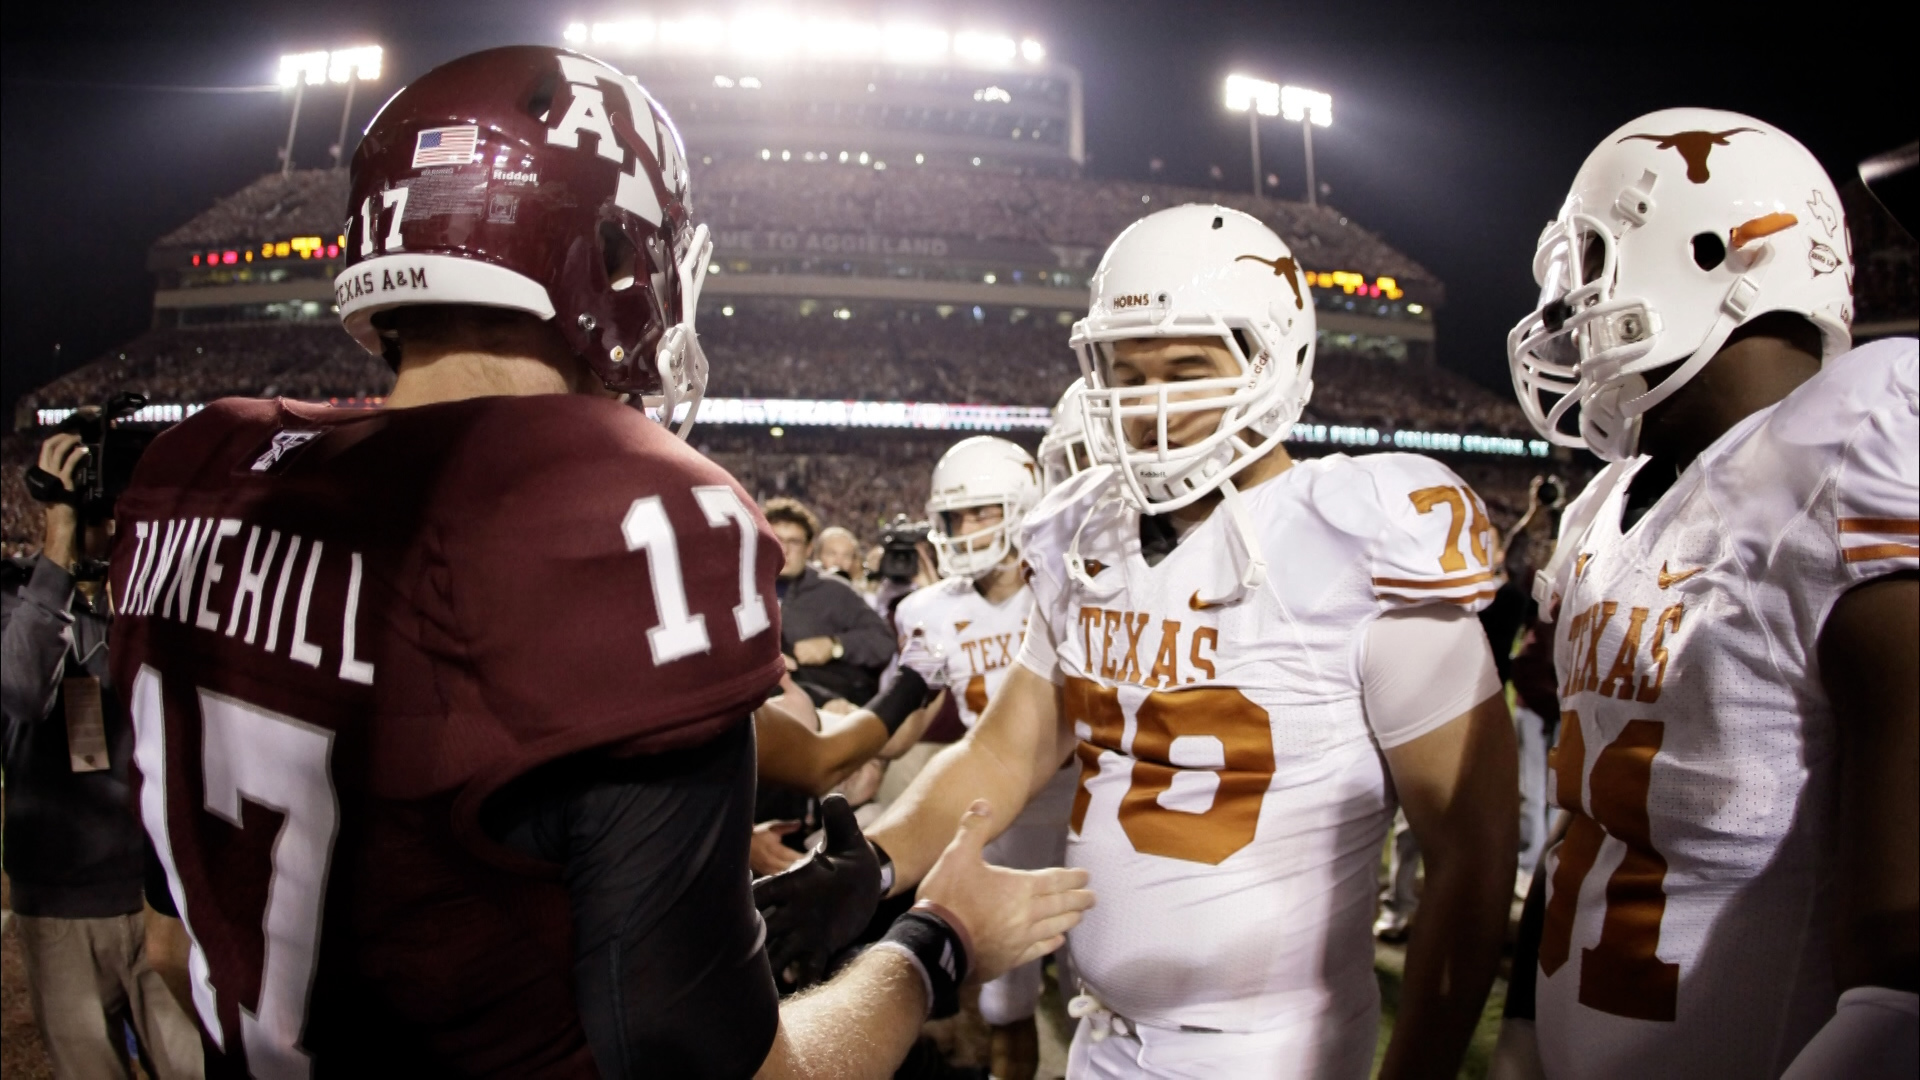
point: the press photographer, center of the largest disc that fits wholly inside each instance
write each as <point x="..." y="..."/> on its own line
<point x="75" y="850"/>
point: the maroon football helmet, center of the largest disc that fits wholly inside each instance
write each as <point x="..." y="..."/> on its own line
<point x="539" y="180"/>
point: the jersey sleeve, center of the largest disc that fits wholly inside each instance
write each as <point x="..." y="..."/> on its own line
<point x="669" y="958"/>
<point x="608" y="586"/>
<point x="1432" y="542"/>
<point x="1876" y="491"/>
<point x="1043" y="545"/>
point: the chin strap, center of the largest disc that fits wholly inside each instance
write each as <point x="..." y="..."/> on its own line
<point x="1734" y="310"/>
<point x="680" y="357"/>
<point x="1246" y="543"/>
<point x="1077" y="566"/>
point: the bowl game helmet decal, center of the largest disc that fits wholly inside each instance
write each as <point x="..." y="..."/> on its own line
<point x="1680" y="227"/>
<point x="538" y="180"/>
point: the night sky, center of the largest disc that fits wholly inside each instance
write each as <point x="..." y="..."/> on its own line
<point x="1456" y="129"/>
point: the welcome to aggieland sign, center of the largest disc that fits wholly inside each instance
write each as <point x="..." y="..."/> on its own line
<point x="867" y="245"/>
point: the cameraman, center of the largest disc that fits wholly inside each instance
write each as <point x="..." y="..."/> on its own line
<point x="74" y="847"/>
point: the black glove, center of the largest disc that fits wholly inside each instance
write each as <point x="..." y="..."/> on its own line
<point x="820" y="905"/>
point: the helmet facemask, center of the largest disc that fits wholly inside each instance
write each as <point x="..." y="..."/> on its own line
<point x="1681" y="227"/>
<point x="1264" y="398"/>
<point x="975" y="554"/>
<point x="1583" y="346"/>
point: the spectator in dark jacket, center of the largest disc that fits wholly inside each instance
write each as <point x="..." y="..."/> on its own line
<point x="836" y="645"/>
<point x="75" y="850"/>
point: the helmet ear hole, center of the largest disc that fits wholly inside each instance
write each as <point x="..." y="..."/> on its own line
<point x="619" y="255"/>
<point x="540" y="101"/>
<point x="1709" y="251"/>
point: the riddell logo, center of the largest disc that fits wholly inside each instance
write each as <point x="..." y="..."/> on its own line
<point x="1131" y="300"/>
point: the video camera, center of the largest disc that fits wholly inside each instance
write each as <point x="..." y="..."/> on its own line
<point x="106" y="469"/>
<point x="900" y="548"/>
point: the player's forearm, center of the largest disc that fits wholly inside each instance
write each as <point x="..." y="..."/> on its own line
<point x="916" y="829"/>
<point x="859" y="1025"/>
<point x="1004" y="759"/>
<point x="800" y="760"/>
<point x="1452" y="959"/>
<point x="911" y="732"/>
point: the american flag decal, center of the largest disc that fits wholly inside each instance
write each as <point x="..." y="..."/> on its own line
<point x="445" y="146"/>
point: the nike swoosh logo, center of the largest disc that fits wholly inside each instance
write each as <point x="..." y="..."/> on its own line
<point x="1094" y="566"/>
<point x="1198" y="604"/>
<point x="1668" y="581"/>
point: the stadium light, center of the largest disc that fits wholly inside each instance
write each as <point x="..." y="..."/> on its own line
<point x="984" y="48"/>
<point x="350" y="66"/>
<point x="1256" y="98"/>
<point x="303" y="68"/>
<point x="1310" y="109"/>
<point x="762" y="35"/>
<point x="342" y="66"/>
<point x="906" y="42"/>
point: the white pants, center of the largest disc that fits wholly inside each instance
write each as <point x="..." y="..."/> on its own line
<point x="1036" y="840"/>
<point x="1201" y="1055"/>
<point x="1531" y="731"/>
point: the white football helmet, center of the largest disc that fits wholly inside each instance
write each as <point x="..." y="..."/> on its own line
<point x="1186" y="272"/>
<point x="1680" y="227"/>
<point x="981" y="471"/>
<point x="1063" y="452"/>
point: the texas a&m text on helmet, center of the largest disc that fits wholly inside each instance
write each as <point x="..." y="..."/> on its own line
<point x="537" y="180"/>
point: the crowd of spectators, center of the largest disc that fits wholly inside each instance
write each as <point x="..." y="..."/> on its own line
<point x="305" y="202"/>
<point x="22" y="522"/>
<point x="976" y="204"/>
<point x="778" y="349"/>
<point x="311" y="361"/>
<point x="986" y="204"/>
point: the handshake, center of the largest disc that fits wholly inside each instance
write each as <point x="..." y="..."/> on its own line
<point x="996" y="918"/>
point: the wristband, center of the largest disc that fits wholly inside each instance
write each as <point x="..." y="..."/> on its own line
<point x="900" y="699"/>
<point x="938" y="951"/>
<point x="886" y="867"/>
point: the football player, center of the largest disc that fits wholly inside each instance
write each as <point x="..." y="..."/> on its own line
<point x="1252" y="659"/>
<point x="1735" y="603"/>
<point x="442" y="709"/>
<point x="1063" y="450"/>
<point x="983" y="490"/>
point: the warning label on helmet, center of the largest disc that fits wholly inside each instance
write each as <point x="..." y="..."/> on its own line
<point x="456" y="193"/>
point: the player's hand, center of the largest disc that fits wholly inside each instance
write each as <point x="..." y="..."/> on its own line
<point x="925" y="659"/>
<point x="1012" y="916"/>
<point x="823" y="903"/>
<point x="863" y="783"/>
<point x="767" y="853"/>
<point x="813" y="651"/>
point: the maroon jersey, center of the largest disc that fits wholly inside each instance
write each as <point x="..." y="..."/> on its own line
<point x="340" y="631"/>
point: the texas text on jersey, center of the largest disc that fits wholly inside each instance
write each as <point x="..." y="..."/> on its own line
<point x="342" y="631"/>
<point x="1687" y="924"/>
<point x="1228" y="770"/>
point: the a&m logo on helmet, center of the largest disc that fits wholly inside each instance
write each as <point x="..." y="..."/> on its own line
<point x="616" y="137"/>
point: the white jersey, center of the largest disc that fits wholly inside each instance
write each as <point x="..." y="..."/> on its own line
<point x="1233" y="796"/>
<point x="979" y="639"/>
<point x="1687" y="914"/>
